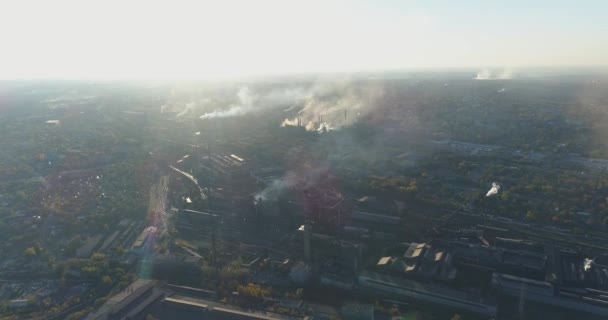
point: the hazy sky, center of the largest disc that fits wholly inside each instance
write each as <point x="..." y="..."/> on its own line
<point x="207" y="39"/>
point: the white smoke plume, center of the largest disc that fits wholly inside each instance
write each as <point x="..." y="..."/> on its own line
<point x="494" y="190"/>
<point x="249" y="102"/>
<point x="183" y="109"/>
<point x="272" y="191"/>
<point x="287" y="97"/>
<point x="330" y="106"/>
<point x="588" y="264"/>
<point x="324" y="127"/>
<point x="245" y="105"/>
<point x="188" y="108"/>
<point x="289" y="122"/>
<point x="302" y="179"/>
<point x="233" y="111"/>
<point x="324" y="105"/>
<point x="488" y="74"/>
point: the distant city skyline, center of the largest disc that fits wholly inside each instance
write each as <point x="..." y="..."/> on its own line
<point x="205" y="39"/>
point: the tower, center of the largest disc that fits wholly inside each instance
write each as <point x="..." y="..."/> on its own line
<point x="307" y="239"/>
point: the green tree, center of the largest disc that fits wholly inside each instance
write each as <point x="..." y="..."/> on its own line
<point x="119" y="249"/>
<point x="76" y="315"/>
<point x="30" y="252"/>
<point x="89" y="271"/>
<point x="299" y="293"/>
<point x="456" y="317"/>
<point x="98" y="256"/>
<point x="505" y="195"/>
<point x="253" y="290"/>
<point x="106" y="281"/>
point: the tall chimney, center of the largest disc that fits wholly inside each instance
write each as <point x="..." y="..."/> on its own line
<point x="307" y="239"/>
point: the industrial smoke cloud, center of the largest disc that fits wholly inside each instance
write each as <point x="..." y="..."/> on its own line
<point x="494" y="190"/>
<point x="302" y="179"/>
<point x="250" y="102"/>
<point x="245" y="105"/>
<point x="184" y="109"/>
<point x="274" y="189"/>
<point x="488" y="74"/>
<point x="329" y="106"/>
<point x="323" y="106"/>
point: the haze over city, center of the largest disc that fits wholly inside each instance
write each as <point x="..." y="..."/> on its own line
<point x="211" y="39"/>
<point x="303" y="160"/>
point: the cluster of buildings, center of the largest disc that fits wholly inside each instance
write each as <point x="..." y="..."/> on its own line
<point x="145" y="298"/>
<point x="479" y="277"/>
<point x="354" y="246"/>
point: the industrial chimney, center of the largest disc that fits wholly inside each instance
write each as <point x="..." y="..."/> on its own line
<point x="307" y="239"/>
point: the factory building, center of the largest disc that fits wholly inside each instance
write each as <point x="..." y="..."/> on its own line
<point x="387" y="285"/>
<point x="585" y="302"/>
<point x="422" y="261"/>
<point x="131" y="303"/>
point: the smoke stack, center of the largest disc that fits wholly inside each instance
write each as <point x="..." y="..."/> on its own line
<point x="307" y="236"/>
<point x="357" y="258"/>
<point x="344" y="116"/>
<point x="258" y="209"/>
